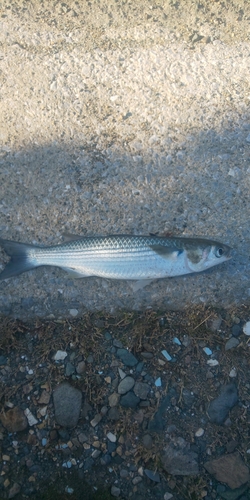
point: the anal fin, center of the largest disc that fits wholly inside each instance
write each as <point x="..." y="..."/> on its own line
<point x="138" y="285"/>
<point x="75" y="274"/>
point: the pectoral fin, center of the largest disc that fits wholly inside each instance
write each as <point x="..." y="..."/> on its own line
<point x="167" y="252"/>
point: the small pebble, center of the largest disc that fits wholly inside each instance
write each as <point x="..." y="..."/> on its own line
<point x="136" y="480"/>
<point x="176" y="341"/>
<point x="127" y="357"/>
<point x="115" y="491"/>
<point x="69" y="490"/>
<point x="207" y="351"/>
<point x="166" y="355"/>
<point x="73" y="312"/>
<point x="236" y="330"/>
<point x="233" y="373"/>
<point x="167" y="496"/>
<point x="114" y="399"/>
<point x="199" y="432"/>
<point x="95" y="421"/>
<point x="125" y="385"/>
<point x="81" y="367"/>
<point x="231" y="343"/>
<point x="111" y="437"/>
<point x="141" y="390"/>
<point x="121" y="373"/>
<point x="158" y="382"/>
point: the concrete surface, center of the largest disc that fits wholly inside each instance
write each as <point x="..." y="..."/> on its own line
<point x="127" y="117"/>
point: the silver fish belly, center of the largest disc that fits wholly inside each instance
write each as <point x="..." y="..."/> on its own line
<point x="118" y="256"/>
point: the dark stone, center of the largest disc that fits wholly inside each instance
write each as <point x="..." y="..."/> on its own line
<point x="236" y="330"/>
<point x="158" y="422"/>
<point x="89" y="462"/>
<point x="3" y="360"/>
<point x="219" y="408"/>
<point x="126" y="357"/>
<point x="130" y="400"/>
<point x="67" y="404"/>
<point x="106" y="459"/>
<point x="111" y="447"/>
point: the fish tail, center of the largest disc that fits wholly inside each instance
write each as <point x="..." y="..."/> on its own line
<point x="21" y="259"/>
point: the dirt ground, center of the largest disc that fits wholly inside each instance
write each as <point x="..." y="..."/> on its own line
<point x="39" y="469"/>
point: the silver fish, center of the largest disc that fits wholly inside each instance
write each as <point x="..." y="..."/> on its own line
<point x="118" y="256"/>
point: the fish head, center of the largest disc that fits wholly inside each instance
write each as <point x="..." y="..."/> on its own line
<point x="207" y="254"/>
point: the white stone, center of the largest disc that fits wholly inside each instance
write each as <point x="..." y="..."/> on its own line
<point x="199" y="432"/>
<point x="30" y="417"/>
<point x="167" y="496"/>
<point x="233" y="373"/>
<point x="60" y="355"/>
<point x="212" y="362"/>
<point x="246" y="328"/>
<point x="111" y="437"/>
<point x="73" y="312"/>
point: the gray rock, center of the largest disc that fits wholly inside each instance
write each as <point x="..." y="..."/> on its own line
<point x="177" y="459"/>
<point x="67" y="403"/>
<point x="130" y="400"/>
<point x="231" y="343"/>
<point x="219" y="408"/>
<point x="126" y="357"/>
<point x="125" y="385"/>
<point x="141" y="390"/>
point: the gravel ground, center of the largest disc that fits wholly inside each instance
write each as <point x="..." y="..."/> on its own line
<point x="124" y="117"/>
<point x="136" y="407"/>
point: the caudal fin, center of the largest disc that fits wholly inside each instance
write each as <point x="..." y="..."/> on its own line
<point x="20" y="258"/>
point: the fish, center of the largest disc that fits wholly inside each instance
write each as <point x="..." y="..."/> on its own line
<point x="121" y="257"/>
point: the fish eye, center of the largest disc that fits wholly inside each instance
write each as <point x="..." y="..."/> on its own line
<point x="219" y="252"/>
